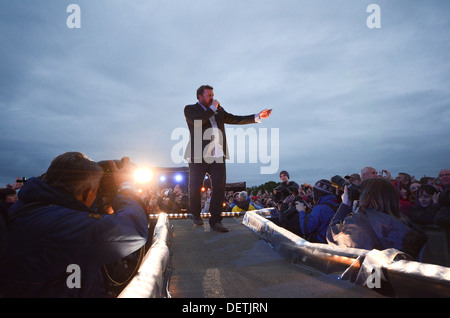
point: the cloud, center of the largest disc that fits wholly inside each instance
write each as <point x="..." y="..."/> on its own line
<point x="344" y="96"/>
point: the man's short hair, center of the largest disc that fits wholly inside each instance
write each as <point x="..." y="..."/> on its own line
<point x="202" y="88"/>
<point x="243" y="195"/>
<point x="74" y="173"/>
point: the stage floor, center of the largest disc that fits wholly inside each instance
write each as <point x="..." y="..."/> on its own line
<point x="237" y="264"/>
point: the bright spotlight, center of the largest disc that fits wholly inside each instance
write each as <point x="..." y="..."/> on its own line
<point x="162" y="178"/>
<point x="143" y="176"/>
<point x="178" y="177"/>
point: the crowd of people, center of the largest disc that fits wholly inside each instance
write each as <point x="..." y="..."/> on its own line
<point x="351" y="211"/>
<point x="362" y="210"/>
<point x="365" y="210"/>
<point x="369" y="209"/>
<point x="422" y="202"/>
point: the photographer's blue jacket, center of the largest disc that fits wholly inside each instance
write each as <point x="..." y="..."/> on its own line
<point x="43" y="242"/>
<point x="314" y="225"/>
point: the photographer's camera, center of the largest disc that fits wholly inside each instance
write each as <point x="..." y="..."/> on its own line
<point x="353" y="189"/>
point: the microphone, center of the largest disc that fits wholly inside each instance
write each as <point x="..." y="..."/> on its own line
<point x="219" y="106"/>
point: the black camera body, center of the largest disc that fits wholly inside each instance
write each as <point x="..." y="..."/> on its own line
<point x="23" y="180"/>
<point x="108" y="188"/>
<point x="292" y="210"/>
<point x="288" y="213"/>
<point x="353" y="190"/>
<point x="283" y="190"/>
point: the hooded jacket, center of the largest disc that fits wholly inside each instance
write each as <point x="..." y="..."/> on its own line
<point x="314" y="224"/>
<point x="62" y="231"/>
<point x="373" y="229"/>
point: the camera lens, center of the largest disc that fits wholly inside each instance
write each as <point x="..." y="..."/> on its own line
<point x="339" y="182"/>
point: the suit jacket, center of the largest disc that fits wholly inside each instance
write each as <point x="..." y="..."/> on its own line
<point x="198" y="122"/>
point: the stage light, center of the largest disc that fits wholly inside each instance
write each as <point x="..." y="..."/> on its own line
<point x="142" y="176"/>
<point x="162" y="178"/>
<point x="178" y="177"/>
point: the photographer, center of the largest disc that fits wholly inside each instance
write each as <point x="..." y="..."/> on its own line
<point x="52" y="226"/>
<point x="314" y="224"/>
<point x="281" y="192"/>
<point x="353" y="189"/>
<point x="288" y="216"/>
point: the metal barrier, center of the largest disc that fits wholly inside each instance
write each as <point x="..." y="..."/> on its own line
<point x="151" y="280"/>
<point x="398" y="275"/>
<point x="204" y="215"/>
<point x="405" y="278"/>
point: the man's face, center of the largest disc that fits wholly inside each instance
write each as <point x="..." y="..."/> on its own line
<point x="444" y="177"/>
<point x="284" y="177"/>
<point x="370" y="173"/>
<point x="207" y="98"/>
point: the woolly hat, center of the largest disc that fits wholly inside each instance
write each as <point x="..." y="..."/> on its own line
<point x="285" y="172"/>
<point x="322" y="188"/>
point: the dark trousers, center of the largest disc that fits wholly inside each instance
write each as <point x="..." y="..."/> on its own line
<point x="217" y="173"/>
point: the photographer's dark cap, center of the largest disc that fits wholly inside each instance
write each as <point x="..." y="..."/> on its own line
<point x="285" y="173"/>
<point x="354" y="176"/>
<point x="323" y="186"/>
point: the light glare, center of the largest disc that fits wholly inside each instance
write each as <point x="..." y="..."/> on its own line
<point x="143" y="175"/>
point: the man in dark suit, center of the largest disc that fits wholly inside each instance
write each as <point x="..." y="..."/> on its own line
<point x="207" y="151"/>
